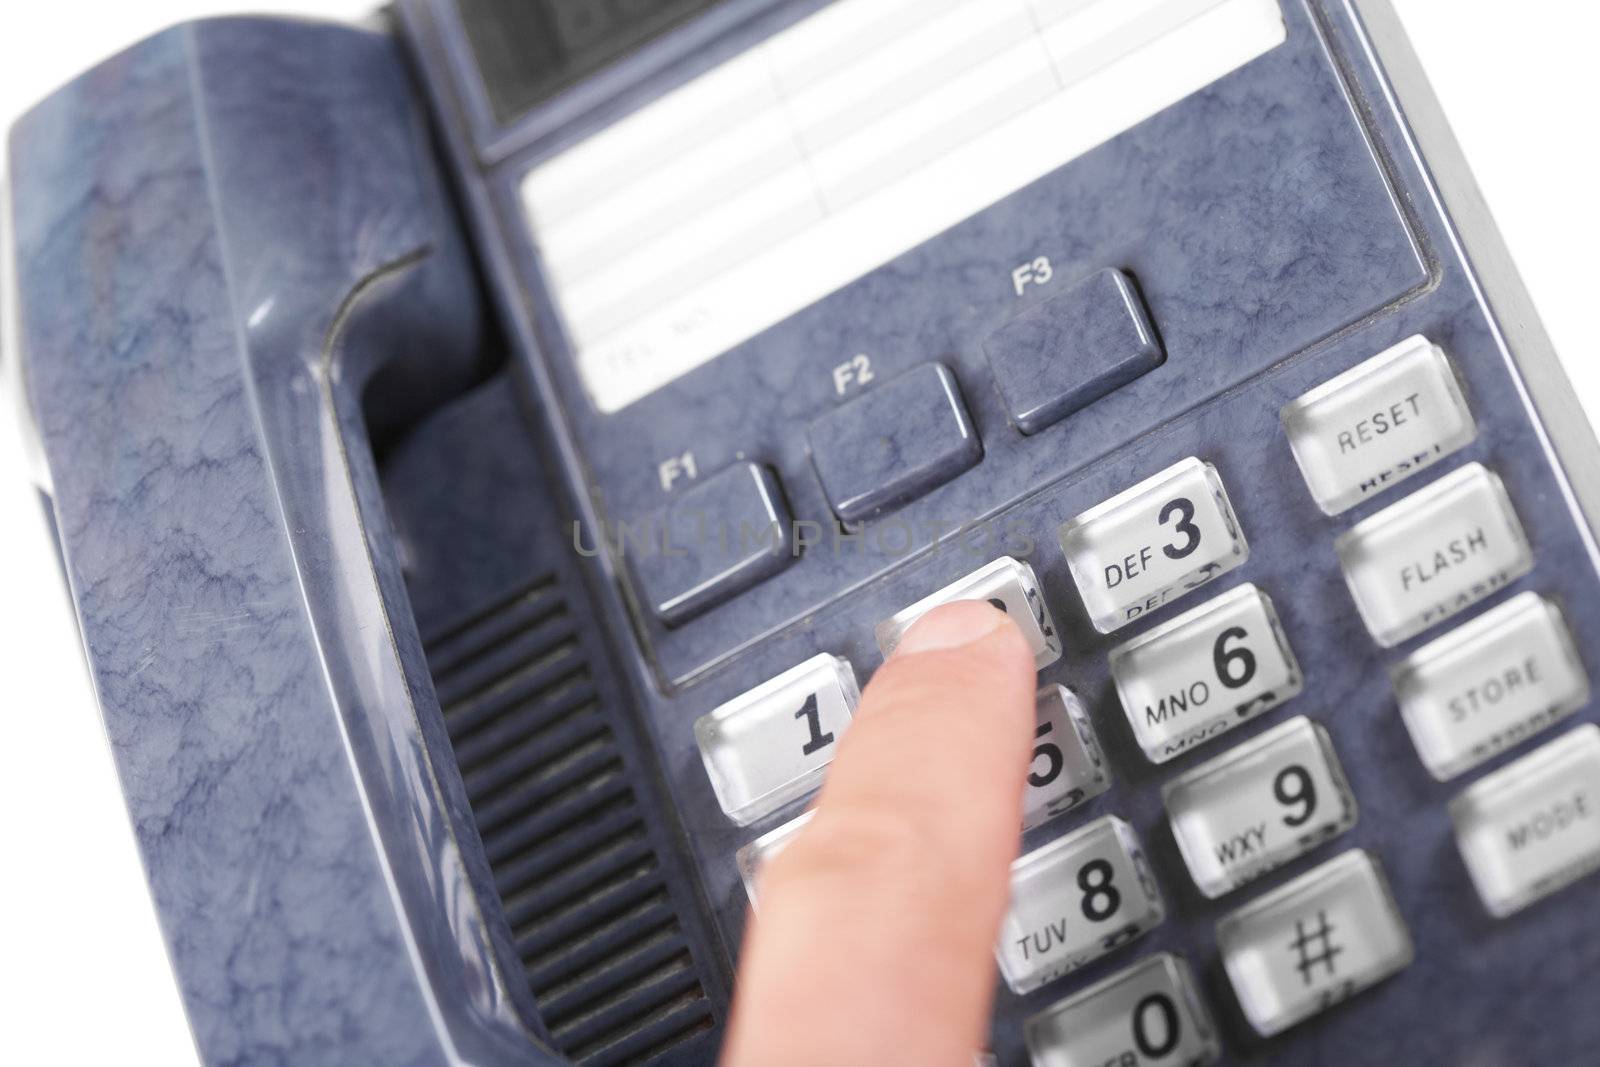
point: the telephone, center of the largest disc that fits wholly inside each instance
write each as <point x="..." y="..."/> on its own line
<point x="490" y="448"/>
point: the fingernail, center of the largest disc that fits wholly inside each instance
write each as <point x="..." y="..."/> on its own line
<point x="951" y="626"/>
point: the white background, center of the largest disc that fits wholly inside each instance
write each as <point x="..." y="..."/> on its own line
<point x="83" y="974"/>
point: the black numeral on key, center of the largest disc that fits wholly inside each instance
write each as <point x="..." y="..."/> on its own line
<point x="1100" y="898"/>
<point x="813" y="717"/>
<point x="1050" y="752"/>
<point x="1183" y="509"/>
<point x="1293" y="787"/>
<point x="1157" y="1005"/>
<point x="1237" y="665"/>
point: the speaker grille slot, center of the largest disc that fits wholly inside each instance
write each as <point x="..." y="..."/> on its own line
<point x="567" y="841"/>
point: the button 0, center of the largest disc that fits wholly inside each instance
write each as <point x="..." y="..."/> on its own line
<point x="1433" y="554"/>
<point x="1490" y="684"/>
<point x="1378" y="423"/>
<point x="1073" y="349"/>
<point x="1149" y="1013"/>
<point x="1153" y="543"/>
<point x="1313" y="942"/>
<point x="773" y="744"/>
<point x="1067" y="768"/>
<point x="1009" y="585"/>
<point x="714" y="540"/>
<point x="1533" y="826"/>
<point x="1074" y="900"/>
<point x="893" y="443"/>
<point x="1205" y="672"/>
<point x="1259" y="805"/>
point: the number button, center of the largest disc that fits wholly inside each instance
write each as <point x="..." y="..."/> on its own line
<point x="1205" y="672"/>
<point x="1147" y="1014"/>
<point x="1009" y="585"/>
<point x="1152" y="544"/>
<point x="1259" y="805"/>
<point x="1073" y="901"/>
<point x="1067" y="767"/>
<point x="758" y="853"/>
<point x="1313" y="942"/>
<point x="772" y="745"/>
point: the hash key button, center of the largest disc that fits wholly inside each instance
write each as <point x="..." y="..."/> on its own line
<point x="1313" y="942"/>
<point x="1071" y="350"/>
<point x="1533" y="826"/>
<point x="893" y="443"/>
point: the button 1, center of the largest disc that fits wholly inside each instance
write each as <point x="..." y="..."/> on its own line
<point x="1433" y="554"/>
<point x="1073" y="349"/>
<point x="1009" y="585"/>
<point x="893" y="443"/>
<point x="713" y="541"/>
<point x="1205" y="672"/>
<point x="1378" y="423"/>
<point x="1067" y="767"/>
<point x="1073" y="901"/>
<point x="772" y="745"/>
<point x="1490" y="684"/>
<point x="1533" y="826"/>
<point x="1147" y="1014"/>
<point x="1259" y="805"/>
<point x="1313" y="942"/>
<point x="754" y="856"/>
<point x="1153" y="543"/>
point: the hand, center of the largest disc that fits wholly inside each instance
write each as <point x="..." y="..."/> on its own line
<point x="875" y="939"/>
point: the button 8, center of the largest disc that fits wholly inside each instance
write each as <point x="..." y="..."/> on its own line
<point x="1205" y="672"/>
<point x="1167" y="535"/>
<point x="772" y="745"/>
<point x="1533" y="826"/>
<point x="1378" y="423"/>
<point x="1313" y="942"/>
<point x="1006" y="583"/>
<point x="1489" y="684"/>
<point x="1147" y="1014"/>
<point x="1433" y="554"/>
<point x="1073" y="901"/>
<point x="1259" y="805"/>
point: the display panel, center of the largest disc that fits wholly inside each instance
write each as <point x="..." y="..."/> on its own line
<point x="850" y="137"/>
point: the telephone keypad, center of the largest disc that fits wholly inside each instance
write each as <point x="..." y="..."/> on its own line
<point x="1153" y="543"/>
<point x="1149" y="1013"/>
<point x="1490" y="683"/>
<point x="1313" y="942"/>
<point x="1259" y="805"/>
<point x="1533" y="826"/>
<point x="1434" y="554"/>
<point x="1009" y="585"/>
<point x="1378" y="423"/>
<point x="1204" y="672"/>
<point x="771" y="746"/>
<point x="1074" y="900"/>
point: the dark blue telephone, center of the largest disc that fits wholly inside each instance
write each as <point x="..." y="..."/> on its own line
<point x="490" y="449"/>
